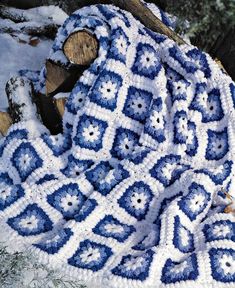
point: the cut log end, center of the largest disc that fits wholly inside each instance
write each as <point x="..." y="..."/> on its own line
<point x="59" y="79"/>
<point x="81" y="48"/>
<point x="60" y="105"/>
<point x="5" y="123"/>
<point x="55" y="76"/>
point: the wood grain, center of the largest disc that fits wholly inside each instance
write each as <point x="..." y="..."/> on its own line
<point x="81" y="48"/>
<point x="60" y="105"/>
<point x="55" y="76"/>
<point x="5" y="122"/>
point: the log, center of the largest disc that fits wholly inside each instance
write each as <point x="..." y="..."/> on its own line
<point x="61" y="79"/>
<point x="26" y="21"/>
<point x="69" y="6"/>
<point x="55" y="76"/>
<point x="60" y="105"/>
<point x="22" y="106"/>
<point x="15" y="15"/>
<point x="5" y="123"/>
<point x="46" y="30"/>
<point x="219" y="63"/>
<point x="146" y="16"/>
<point x="81" y="48"/>
<point x="49" y="113"/>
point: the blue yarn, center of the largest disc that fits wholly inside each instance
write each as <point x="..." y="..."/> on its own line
<point x="130" y="194"/>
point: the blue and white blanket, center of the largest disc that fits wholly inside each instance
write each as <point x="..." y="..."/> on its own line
<point x="131" y="194"/>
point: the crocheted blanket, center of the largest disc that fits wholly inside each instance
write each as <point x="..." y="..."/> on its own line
<point x="131" y="194"/>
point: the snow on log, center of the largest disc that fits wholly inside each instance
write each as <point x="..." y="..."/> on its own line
<point x="37" y="29"/>
<point x="13" y="14"/>
<point x="81" y="48"/>
<point x="21" y="101"/>
<point x="5" y="123"/>
<point x="41" y="21"/>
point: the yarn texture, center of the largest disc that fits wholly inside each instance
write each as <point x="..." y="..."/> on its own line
<point x="131" y="194"/>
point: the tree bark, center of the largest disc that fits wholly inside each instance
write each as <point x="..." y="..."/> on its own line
<point x="22" y="103"/>
<point x="48" y="30"/>
<point x="15" y="15"/>
<point x="146" y="16"/>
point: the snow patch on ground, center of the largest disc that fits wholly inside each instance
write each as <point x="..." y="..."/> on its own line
<point x="15" y="56"/>
<point x="17" y="51"/>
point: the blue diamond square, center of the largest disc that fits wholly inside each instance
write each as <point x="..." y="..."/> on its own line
<point x="134" y="267"/>
<point x="168" y="169"/>
<point x="219" y="230"/>
<point x="136" y="200"/>
<point x="90" y="255"/>
<point x="32" y="221"/>
<point x="77" y="98"/>
<point x="9" y="195"/>
<point x="217" y="146"/>
<point x="58" y="144"/>
<point x="112" y="227"/>
<point x="194" y="203"/>
<point x="68" y="200"/>
<point x="120" y="44"/>
<point x="156" y="121"/>
<point x="200" y="58"/>
<point x="90" y="132"/>
<point x="55" y="242"/>
<point x="146" y="62"/>
<point x="125" y="142"/>
<point x="137" y="104"/>
<point x="210" y="108"/>
<point x="180" y="126"/>
<point x="76" y="167"/>
<point x="104" y="178"/>
<point x="222" y="265"/>
<point x="105" y="90"/>
<point x="87" y="208"/>
<point x="26" y="160"/>
<point x="175" y="272"/>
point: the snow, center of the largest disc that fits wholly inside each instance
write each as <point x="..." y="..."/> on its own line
<point x="19" y="51"/>
<point x="15" y="56"/>
<point x="54" y="13"/>
<point x="61" y="95"/>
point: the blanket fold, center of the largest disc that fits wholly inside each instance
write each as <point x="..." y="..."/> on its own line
<point x="131" y="194"/>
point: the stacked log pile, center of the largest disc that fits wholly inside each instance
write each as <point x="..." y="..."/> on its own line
<point x="81" y="49"/>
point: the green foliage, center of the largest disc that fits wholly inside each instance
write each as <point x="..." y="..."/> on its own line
<point x="20" y="270"/>
<point x="207" y="19"/>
